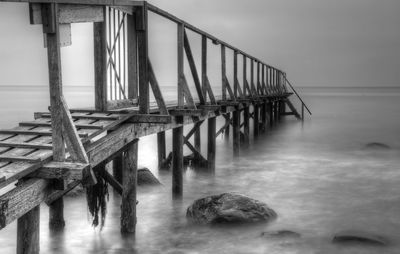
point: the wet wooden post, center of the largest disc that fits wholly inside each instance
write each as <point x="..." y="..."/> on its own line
<point x="177" y="133"/>
<point x="28" y="232"/>
<point x="197" y="139"/>
<point x="236" y="131"/>
<point x="211" y="148"/>
<point x="129" y="183"/>
<point x="143" y="64"/>
<point x="161" y="149"/>
<point x="246" y="110"/>
<point x="255" y="104"/>
<point x="227" y="129"/>
<point x="263" y="105"/>
<point x="51" y="30"/>
<point x="271" y="113"/>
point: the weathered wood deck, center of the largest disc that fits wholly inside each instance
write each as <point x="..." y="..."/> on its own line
<point x="60" y="149"/>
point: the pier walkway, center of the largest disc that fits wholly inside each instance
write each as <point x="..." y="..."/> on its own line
<point x="48" y="156"/>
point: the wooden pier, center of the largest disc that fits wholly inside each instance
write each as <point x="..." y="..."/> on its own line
<point x="60" y="149"/>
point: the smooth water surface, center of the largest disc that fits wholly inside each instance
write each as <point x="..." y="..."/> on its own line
<point x="317" y="176"/>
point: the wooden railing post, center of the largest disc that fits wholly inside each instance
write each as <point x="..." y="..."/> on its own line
<point x="142" y="45"/>
<point x="244" y="75"/>
<point x="204" y="66"/>
<point x="235" y="73"/>
<point x="132" y="57"/>
<point x="51" y="30"/>
<point x="223" y="72"/>
<point x="181" y="74"/>
<point x="100" y="64"/>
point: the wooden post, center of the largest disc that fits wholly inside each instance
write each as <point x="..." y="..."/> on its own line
<point x="132" y="57"/>
<point x="197" y="139"/>
<point x="256" y="120"/>
<point x="118" y="167"/>
<point x="177" y="161"/>
<point x="51" y="29"/>
<point x="142" y="44"/>
<point x="235" y="73"/>
<point x="161" y="148"/>
<point x="271" y="114"/>
<point x="264" y="116"/>
<point x="181" y="74"/>
<point x="246" y="121"/>
<point x="226" y="131"/>
<point x="129" y="183"/>
<point x="223" y="72"/>
<point x="244" y="77"/>
<point x="236" y="132"/>
<point x="211" y="144"/>
<point x="100" y="64"/>
<point x="204" y="66"/>
<point x="28" y="232"/>
<point x="276" y="115"/>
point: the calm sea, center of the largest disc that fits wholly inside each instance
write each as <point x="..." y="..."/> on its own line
<point x="316" y="175"/>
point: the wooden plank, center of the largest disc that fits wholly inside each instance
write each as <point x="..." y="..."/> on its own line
<point x="60" y="170"/>
<point x="187" y="112"/>
<point x="28" y="232"/>
<point x="193" y="69"/>
<point x="209" y="107"/>
<point x="129" y="184"/>
<point x="19" y="159"/>
<point x="69" y="13"/>
<point x="42" y="124"/>
<point x="121" y="104"/>
<point x="83" y="116"/>
<point x="157" y="91"/>
<point x="87" y="2"/>
<point x="151" y="118"/>
<point x="177" y="162"/>
<point x="30" y="145"/>
<point x="34" y="132"/>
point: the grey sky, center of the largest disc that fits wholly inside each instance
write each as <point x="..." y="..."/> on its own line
<point x="317" y="42"/>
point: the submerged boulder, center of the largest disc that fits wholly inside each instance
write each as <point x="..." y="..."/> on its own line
<point x="145" y="177"/>
<point x="281" y="234"/>
<point x="229" y="208"/>
<point x="377" y="146"/>
<point x="359" y="237"/>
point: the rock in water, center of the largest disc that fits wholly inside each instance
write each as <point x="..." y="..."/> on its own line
<point x="281" y="234"/>
<point x="229" y="208"/>
<point x="359" y="237"/>
<point x="377" y="146"/>
<point x="145" y="177"/>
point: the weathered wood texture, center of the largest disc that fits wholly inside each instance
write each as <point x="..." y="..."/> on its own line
<point x="177" y="161"/>
<point x="28" y="232"/>
<point x="129" y="183"/>
<point x="211" y="146"/>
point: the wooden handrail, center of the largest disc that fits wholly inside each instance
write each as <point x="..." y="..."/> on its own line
<point x="298" y="96"/>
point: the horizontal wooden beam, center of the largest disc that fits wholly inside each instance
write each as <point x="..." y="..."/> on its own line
<point x="120" y="104"/>
<point x="150" y="118"/>
<point x="19" y="159"/>
<point x="26" y="145"/>
<point x="74" y="116"/>
<point x="60" y="170"/>
<point x="209" y="107"/>
<point x="187" y="112"/>
<point x="34" y="132"/>
<point x="41" y="124"/>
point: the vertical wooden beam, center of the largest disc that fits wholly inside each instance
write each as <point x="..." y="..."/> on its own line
<point x="28" y="232"/>
<point x="258" y="78"/>
<point x="51" y="28"/>
<point x="161" y="148"/>
<point x="132" y="57"/>
<point x="177" y="162"/>
<point x="204" y="66"/>
<point x="256" y="120"/>
<point x="129" y="183"/>
<point x="235" y="73"/>
<point x="223" y="71"/>
<point x="181" y="74"/>
<point x="211" y="147"/>
<point x="252" y="76"/>
<point x="271" y="113"/>
<point x="197" y="139"/>
<point x="100" y="64"/>
<point x="236" y="132"/>
<point x="142" y="41"/>
<point x="117" y="167"/>
<point x="264" y="115"/>
<point x="245" y="76"/>
<point x="246" y="121"/>
<point x="227" y="129"/>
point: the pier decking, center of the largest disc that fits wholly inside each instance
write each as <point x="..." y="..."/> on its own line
<point x="62" y="148"/>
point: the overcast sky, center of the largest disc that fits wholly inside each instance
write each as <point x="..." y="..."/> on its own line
<point x="317" y="42"/>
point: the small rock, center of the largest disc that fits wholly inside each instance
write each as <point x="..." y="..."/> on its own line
<point x="281" y="234"/>
<point x="145" y="177"/>
<point x="377" y="146"/>
<point x="229" y="208"/>
<point x="359" y="237"/>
